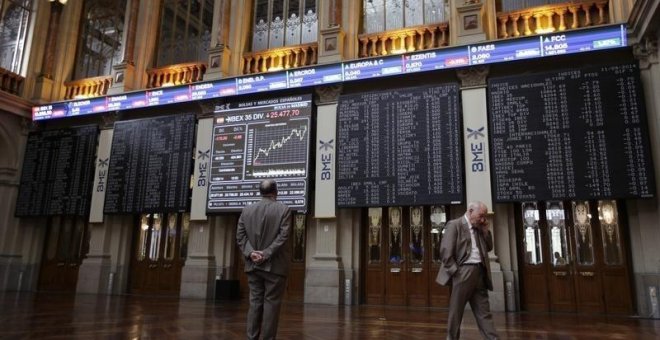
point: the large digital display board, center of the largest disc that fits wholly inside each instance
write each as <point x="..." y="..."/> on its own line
<point x="551" y="44"/>
<point x="150" y="165"/>
<point x="58" y="171"/>
<point x="574" y="134"/>
<point x="400" y="147"/>
<point x="253" y="141"/>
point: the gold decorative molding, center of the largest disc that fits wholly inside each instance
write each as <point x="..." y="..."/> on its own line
<point x="409" y="39"/>
<point x="646" y="51"/>
<point x="108" y="121"/>
<point x="177" y="74"/>
<point x="553" y="18"/>
<point x="328" y="94"/>
<point x="280" y="59"/>
<point x="473" y="76"/>
<point x="87" y="88"/>
<point x="10" y="82"/>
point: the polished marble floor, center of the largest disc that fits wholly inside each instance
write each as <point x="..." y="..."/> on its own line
<point x="57" y="316"/>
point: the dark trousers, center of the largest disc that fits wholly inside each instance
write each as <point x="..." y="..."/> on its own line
<point x="266" y="291"/>
<point x="468" y="286"/>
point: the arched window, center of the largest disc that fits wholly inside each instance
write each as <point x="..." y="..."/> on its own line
<point x="185" y="31"/>
<point x="100" y="45"/>
<point x="385" y="15"/>
<point x="14" y="23"/>
<point x="280" y="23"/>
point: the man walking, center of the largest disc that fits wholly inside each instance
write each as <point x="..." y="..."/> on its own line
<point x="464" y="254"/>
<point x="263" y="230"/>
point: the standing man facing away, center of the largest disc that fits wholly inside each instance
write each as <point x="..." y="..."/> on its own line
<point x="263" y="230"/>
<point x="464" y="254"/>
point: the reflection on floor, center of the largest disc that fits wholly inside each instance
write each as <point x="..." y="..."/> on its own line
<point x="44" y="315"/>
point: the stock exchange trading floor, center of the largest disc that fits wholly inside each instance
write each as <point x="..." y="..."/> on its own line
<point x="57" y="316"/>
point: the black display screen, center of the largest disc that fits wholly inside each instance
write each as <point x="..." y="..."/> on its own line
<point x="400" y="147"/>
<point x="150" y="165"/>
<point x="58" y="172"/>
<point x="575" y="134"/>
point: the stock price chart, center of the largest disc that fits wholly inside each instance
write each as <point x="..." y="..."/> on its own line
<point x="258" y="140"/>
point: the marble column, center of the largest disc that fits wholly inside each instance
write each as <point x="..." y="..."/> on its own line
<point x="123" y="74"/>
<point x="219" y="52"/>
<point x="324" y="275"/>
<point x="477" y="166"/>
<point x="644" y="215"/>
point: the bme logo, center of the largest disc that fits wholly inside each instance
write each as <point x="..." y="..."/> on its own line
<point x="326" y="159"/>
<point x="477" y="148"/>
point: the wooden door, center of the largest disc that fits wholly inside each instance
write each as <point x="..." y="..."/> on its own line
<point x="158" y="251"/>
<point x="67" y="242"/>
<point x="557" y="232"/>
<point x="395" y="265"/>
<point x="295" y="285"/>
<point x="439" y="295"/>
<point x="374" y="255"/>
<point x="533" y="271"/>
<point x="400" y="267"/>
<point x="580" y="252"/>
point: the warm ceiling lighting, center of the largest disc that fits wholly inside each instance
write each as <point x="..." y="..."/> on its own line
<point x="63" y="2"/>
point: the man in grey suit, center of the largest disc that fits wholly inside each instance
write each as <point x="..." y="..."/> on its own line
<point x="262" y="234"/>
<point x="464" y="254"/>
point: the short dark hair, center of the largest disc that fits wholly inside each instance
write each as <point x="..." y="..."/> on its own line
<point x="268" y="187"/>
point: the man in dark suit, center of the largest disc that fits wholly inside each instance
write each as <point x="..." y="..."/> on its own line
<point x="464" y="254"/>
<point x="262" y="234"/>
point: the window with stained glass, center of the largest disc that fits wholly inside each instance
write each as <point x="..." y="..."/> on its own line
<point x="15" y="22"/>
<point x="385" y="15"/>
<point x="279" y="23"/>
<point x="100" y="44"/>
<point x="185" y="31"/>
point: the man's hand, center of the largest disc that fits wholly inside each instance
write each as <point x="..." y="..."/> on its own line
<point x="484" y="227"/>
<point x="257" y="256"/>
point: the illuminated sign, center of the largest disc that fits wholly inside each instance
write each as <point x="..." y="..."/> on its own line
<point x="551" y="44"/>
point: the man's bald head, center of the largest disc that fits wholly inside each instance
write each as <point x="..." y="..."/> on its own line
<point x="268" y="188"/>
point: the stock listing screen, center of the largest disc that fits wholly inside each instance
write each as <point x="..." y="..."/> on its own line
<point x="150" y="164"/>
<point x="257" y="140"/>
<point x="572" y="134"/>
<point x="400" y="147"/>
<point x="58" y="171"/>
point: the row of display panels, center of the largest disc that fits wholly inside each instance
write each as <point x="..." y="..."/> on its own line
<point x="572" y="134"/>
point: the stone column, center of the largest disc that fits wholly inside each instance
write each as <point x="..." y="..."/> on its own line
<point x="331" y="34"/>
<point x="219" y="52"/>
<point x="644" y="214"/>
<point x="94" y="272"/>
<point x="123" y="74"/>
<point x="44" y="82"/>
<point x="477" y="166"/>
<point x="198" y="274"/>
<point x="13" y="133"/>
<point x="324" y="274"/>
<point x="469" y="21"/>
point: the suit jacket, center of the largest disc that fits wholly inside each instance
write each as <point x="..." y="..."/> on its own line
<point x="265" y="226"/>
<point x="455" y="249"/>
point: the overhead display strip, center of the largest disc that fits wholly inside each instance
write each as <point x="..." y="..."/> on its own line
<point x="552" y="44"/>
